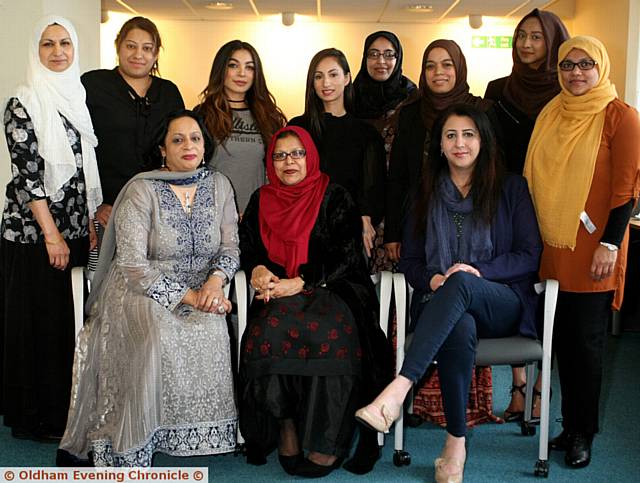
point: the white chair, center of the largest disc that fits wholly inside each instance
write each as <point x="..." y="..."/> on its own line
<point x="503" y="351"/>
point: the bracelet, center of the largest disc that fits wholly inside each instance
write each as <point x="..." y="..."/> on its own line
<point x="53" y="242"/>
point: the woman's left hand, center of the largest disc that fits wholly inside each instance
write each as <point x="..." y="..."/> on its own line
<point x="211" y="297"/>
<point x="287" y="287"/>
<point x="368" y="234"/>
<point x="462" y="267"/>
<point x="93" y="236"/>
<point x="603" y="263"/>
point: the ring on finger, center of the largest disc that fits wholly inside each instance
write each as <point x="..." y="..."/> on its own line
<point x="221" y="309"/>
<point x="216" y="301"/>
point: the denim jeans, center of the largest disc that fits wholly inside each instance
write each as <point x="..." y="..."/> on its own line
<point x="464" y="308"/>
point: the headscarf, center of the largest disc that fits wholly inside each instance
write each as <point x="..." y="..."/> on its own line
<point x="564" y="145"/>
<point x="528" y="89"/>
<point x="434" y="103"/>
<point x="287" y="214"/>
<point x="45" y="96"/>
<point x="373" y="98"/>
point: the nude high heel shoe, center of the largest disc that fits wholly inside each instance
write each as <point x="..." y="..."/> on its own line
<point x="371" y="419"/>
<point x="442" y="476"/>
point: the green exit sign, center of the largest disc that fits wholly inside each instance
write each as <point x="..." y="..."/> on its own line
<point x="491" y="42"/>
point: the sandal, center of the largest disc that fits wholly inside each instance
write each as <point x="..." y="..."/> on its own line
<point x="514" y="416"/>
<point x="537" y="396"/>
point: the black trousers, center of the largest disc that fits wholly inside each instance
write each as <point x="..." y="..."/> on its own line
<point x="579" y="339"/>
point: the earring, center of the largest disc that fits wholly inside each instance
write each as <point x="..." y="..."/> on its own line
<point x="164" y="162"/>
<point x="442" y="152"/>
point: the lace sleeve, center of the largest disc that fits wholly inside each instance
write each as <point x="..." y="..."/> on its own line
<point x="228" y="257"/>
<point x="133" y="226"/>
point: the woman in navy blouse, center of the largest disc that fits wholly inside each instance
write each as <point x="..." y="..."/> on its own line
<point x="471" y="250"/>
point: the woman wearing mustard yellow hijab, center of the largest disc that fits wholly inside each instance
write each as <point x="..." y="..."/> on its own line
<point x="583" y="169"/>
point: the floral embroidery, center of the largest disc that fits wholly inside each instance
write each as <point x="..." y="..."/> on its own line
<point x="67" y="206"/>
<point x="201" y="439"/>
<point x="167" y="292"/>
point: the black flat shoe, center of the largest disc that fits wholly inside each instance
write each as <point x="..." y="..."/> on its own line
<point x="579" y="452"/>
<point x="255" y="456"/>
<point x="309" y="469"/>
<point x="366" y="455"/>
<point x="561" y="442"/>
<point x="290" y="463"/>
<point x="64" y="459"/>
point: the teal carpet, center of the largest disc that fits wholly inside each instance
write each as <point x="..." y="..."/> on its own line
<point x="497" y="453"/>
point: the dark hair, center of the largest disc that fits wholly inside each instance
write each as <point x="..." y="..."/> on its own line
<point x="154" y="156"/>
<point x="488" y="173"/>
<point x="313" y="106"/>
<point x="148" y="26"/>
<point x="216" y="110"/>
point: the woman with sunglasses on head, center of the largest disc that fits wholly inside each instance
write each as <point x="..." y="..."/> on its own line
<point x="443" y="82"/>
<point x="351" y="151"/>
<point x="583" y="169"/>
<point x="519" y="98"/>
<point x="313" y="345"/>
<point x="241" y="115"/>
<point x="471" y="251"/>
<point x="379" y="90"/>
<point x="126" y="104"/>
<point x="46" y="230"/>
<point x="152" y="370"/>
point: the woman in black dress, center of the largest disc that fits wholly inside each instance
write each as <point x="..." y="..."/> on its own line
<point x="351" y="151"/>
<point x="313" y="347"/>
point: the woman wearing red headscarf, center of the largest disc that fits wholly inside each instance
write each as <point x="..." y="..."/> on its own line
<point x="313" y="347"/>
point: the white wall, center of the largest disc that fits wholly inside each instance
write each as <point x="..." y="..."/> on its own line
<point x="17" y="18"/>
<point x="189" y="48"/>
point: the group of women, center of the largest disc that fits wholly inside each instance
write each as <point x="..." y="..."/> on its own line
<point x="375" y="172"/>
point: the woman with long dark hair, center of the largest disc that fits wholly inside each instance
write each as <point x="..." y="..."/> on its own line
<point x="351" y="151"/>
<point x="241" y="115"/>
<point x="471" y="251"/>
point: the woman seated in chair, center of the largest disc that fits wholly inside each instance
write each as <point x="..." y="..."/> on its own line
<point x="152" y="368"/>
<point x="313" y="348"/>
<point x="470" y="250"/>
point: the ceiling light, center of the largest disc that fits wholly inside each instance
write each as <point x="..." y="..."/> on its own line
<point x="475" y="21"/>
<point x="219" y="5"/>
<point x="288" y="18"/>
<point x="420" y="8"/>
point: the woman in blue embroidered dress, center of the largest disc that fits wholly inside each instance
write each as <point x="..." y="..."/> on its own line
<point x="152" y="370"/>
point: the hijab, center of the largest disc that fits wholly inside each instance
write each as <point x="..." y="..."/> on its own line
<point x="287" y="214"/>
<point x="373" y="99"/>
<point x="530" y="89"/>
<point x="46" y="96"/>
<point x="563" y="149"/>
<point x="434" y="103"/>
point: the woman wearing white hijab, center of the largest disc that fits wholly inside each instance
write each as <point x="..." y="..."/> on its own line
<point x="45" y="231"/>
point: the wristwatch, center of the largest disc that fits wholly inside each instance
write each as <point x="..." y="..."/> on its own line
<point x="609" y="246"/>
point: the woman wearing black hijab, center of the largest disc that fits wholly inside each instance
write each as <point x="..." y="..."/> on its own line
<point x="380" y="89"/>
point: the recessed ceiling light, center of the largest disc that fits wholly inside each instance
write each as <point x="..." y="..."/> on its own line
<point x="420" y="8"/>
<point x="219" y="5"/>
